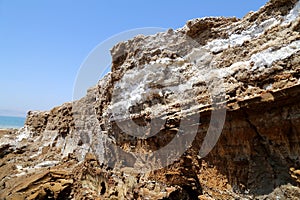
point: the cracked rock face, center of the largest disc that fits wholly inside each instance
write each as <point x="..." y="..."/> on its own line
<point x="208" y="111"/>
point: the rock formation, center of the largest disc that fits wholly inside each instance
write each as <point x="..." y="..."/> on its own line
<point x="231" y="85"/>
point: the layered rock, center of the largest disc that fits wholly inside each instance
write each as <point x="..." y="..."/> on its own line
<point x="233" y="78"/>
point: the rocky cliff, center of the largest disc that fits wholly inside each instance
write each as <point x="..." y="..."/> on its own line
<point x="208" y="111"/>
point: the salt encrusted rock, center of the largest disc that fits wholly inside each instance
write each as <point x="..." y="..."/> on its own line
<point x="89" y="149"/>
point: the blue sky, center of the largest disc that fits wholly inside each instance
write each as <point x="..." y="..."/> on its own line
<point x="44" y="43"/>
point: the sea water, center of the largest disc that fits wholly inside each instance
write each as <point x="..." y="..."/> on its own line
<point x="11" y="122"/>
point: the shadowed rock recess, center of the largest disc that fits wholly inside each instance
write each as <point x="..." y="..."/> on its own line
<point x="103" y="145"/>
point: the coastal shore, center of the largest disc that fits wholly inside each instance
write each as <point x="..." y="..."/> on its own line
<point x="5" y="131"/>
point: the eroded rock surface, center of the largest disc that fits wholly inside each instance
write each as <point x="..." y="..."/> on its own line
<point x="238" y="74"/>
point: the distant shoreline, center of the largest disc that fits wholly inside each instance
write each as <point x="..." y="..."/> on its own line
<point x="9" y="129"/>
<point x="10" y="122"/>
<point x="12" y="116"/>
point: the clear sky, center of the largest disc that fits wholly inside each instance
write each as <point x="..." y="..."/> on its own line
<point x="44" y="43"/>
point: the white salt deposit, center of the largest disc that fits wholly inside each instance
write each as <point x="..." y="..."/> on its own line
<point x="255" y="31"/>
<point x="268" y="57"/>
<point x="47" y="163"/>
<point x="23" y="135"/>
<point x="293" y="15"/>
<point x="178" y="76"/>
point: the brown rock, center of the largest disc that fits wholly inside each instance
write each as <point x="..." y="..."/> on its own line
<point x="83" y="150"/>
